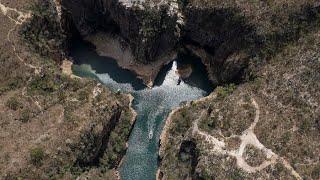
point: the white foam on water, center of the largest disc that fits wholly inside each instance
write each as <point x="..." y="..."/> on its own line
<point x="152" y="105"/>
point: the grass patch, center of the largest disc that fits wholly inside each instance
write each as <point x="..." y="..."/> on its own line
<point x="225" y="91"/>
<point x="316" y="171"/>
<point x="36" y="156"/>
<point x="83" y="95"/>
<point x="44" y="84"/>
<point x="25" y="115"/>
<point x="13" y="103"/>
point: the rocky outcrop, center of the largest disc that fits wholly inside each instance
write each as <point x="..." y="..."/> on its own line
<point x="53" y="126"/>
<point x="94" y="139"/>
<point x="84" y="127"/>
<point x="267" y="128"/>
<point x="148" y="30"/>
<point x="218" y="36"/>
<point x="228" y="36"/>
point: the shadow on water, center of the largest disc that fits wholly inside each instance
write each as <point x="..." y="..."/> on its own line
<point x="184" y="79"/>
<point x="84" y="53"/>
<point x="198" y="77"/>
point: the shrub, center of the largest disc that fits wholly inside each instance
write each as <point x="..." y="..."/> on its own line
<point x="306" y="125"/>
<point x="236" y="174"/>
<point x="13" y="103"/>
<point x="69" y="116"/>
<point x="36" y="156"/>
<point x="213" y="122"/>
<point x="83" y="95"/>
<point x="316" y="171"/>
<point x="72" y="84"/>
<point x="117" y="142"/>
<point x="12" y="84"/>
<point x="117" y="148"/>
<point x="61" y="96"/>
<point x="204" y="175"/>
<point x="43" y="30"/>
<point x="223" y="92"/>
<point x="45" y="84"/>
<point x="25" y="115"/>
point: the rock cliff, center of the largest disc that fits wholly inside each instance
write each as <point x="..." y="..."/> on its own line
<point x="226" y="35"/>
<point x="229" y="35"/>
<point x="149" y="30"/>
<point x="53" y="126"/>
<point x="266" y="127"/>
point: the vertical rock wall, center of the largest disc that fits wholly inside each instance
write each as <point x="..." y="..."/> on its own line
<point x="149" y="31"/>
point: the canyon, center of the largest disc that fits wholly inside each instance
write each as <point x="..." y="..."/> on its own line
<point x="259" y="67"/>
<point x="152" y="33"/>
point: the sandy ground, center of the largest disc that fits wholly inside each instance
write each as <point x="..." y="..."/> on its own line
<point x="66" y="67"/>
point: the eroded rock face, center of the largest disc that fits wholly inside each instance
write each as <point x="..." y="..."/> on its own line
<point x="153" y="29"/>
<point x="266" y="128"/>
<point x="150" y="31"/>
<point x="83" y="128"/>
<point x="226" y="35"/>
<point x="53" y="126"/>
<point x="229" y="35"/>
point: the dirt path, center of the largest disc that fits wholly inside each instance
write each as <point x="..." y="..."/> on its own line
<point x="248" y="137"/>
<point x="21" y="18"/>
<point x="18" y="17"/>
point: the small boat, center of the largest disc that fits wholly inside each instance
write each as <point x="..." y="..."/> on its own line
<point x="150" y="134"/>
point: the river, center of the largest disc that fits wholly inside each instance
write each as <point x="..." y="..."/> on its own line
<point x="152" y="104"/>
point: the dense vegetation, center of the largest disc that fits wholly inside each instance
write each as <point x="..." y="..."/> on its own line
<point x="43" y="32"/>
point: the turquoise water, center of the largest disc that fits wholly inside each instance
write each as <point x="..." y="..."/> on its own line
<point x="152" y="105"/>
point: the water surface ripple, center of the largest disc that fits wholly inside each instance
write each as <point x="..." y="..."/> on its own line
<point x="152" y="105"/>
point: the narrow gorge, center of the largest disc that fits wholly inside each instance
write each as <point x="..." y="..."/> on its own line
<point x="146" y="37"/>
<point x="160" y="89"/>
<point x="151" y="104"/>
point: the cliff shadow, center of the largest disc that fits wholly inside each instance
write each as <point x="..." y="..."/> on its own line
<point x="232" y="40"/>
<point x="84" y="52"/>
<point x="190" y="70"/>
